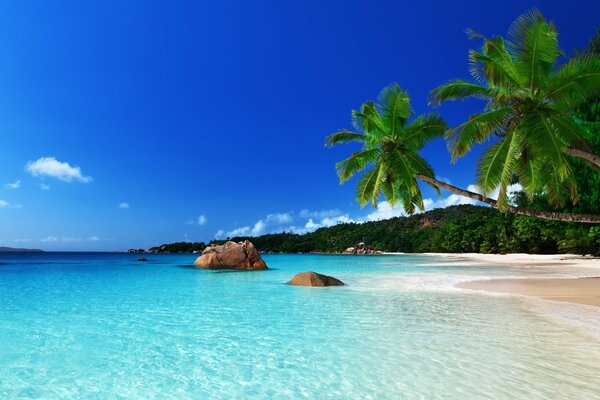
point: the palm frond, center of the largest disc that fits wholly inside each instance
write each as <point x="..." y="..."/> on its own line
<point x="531" y="175"/>
<point x="495" y="65"/>
<point x="394" y="106"/>
<point x="496" y="166"/>
<point x="575" y="83"/>
<point x="421" y="167"/>
<point x="367" y="120"/>
<point x="369" y="186"/>
<point x="477" y="129"/>
<point x="423" y="129"/>
<point x="344" y="136"/>
<point x="546" y="140"/>
<point x="535" y="43"/>
<point x="356" y="163"/>
<point x="460" y="90"/>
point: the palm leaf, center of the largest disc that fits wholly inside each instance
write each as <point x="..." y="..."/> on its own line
<point x="535" y="43"/>
<point x="355" y="163"/>
<point x="477" y="129"/>
<point x="423" y="129"/>
<point x="460" y="90"/>
<point x="394" y="106"/>
<point x="496" y="166"/>
<point x="576" y="82"/>
<point x="343" y="136"/>
<point x="369" y="186"/>
<point x="494" y="65"/>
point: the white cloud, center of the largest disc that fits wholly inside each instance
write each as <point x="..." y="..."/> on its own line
<point x="259" y="228"/>
<point x="280" y="222"/>
<point x="68" y="239"/>
<point x="14" y="185"/>
<point x="243" y="231"/>
<point x="319" y="214"/>
<point x="280" y="218"/>
<point x="200" y="221"/>
<point x="385" y="211"/>
<point x="124" y="205"/>
<point x="6" y="204"/>
<point x="50" y="166"/>
<point x="43" y="186"/>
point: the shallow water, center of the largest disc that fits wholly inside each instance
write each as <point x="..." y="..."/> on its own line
<point x="98" y="326"/>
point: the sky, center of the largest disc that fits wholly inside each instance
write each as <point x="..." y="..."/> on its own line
<point x="131" y="124"/>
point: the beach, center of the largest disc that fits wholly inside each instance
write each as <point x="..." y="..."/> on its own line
<point x="578" y="281"/>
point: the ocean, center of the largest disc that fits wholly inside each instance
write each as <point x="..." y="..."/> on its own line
<point x="105" y="326"/>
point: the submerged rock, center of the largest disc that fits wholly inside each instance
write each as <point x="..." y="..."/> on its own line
<point x="231" y="255"/>
<point x="314" y="279"/>
<point x="142" y="259"/>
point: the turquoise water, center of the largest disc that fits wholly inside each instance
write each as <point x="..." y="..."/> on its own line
<point x="103" y="326"/>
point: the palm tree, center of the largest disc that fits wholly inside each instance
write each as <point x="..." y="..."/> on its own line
<point x="527" y="112"/>
<point x="390" y="144"/>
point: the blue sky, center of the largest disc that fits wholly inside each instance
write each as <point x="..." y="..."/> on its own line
<point x="130" y="124"/>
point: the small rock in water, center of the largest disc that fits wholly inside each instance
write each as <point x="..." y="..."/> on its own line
<point x="314" y="279"/>
<point x="142" y="259"/>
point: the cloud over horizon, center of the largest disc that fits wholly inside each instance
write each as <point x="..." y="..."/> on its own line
<point x="313" y="220"/>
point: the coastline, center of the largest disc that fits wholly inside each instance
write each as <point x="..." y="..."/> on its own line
<point x="578" y="283"/>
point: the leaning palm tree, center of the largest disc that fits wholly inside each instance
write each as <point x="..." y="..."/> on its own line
<point x="527" y="113"/>
<point x="390" y="142"/>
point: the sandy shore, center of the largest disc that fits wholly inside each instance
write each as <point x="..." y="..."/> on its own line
<point x="520" y="259"/>
<point x="580" y="290"/>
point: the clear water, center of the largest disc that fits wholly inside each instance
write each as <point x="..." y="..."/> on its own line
<point x="103" y="326"/>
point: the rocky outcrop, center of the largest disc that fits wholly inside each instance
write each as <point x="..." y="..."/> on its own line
<point x="361" y="248"/>
<point x="231" y="255"/>
<point x="313" y="279"/>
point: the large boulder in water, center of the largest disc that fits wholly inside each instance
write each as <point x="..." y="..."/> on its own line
<point x="231" y="255"/>
<point x="313" y="279"/>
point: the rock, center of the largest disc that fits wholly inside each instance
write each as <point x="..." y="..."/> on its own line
<point x="231" y="255"/>
<point x="361" y="248"/>
<point x="313" y="279"/>
<point x="142" y="259"/>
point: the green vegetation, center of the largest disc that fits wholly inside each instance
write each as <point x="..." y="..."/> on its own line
<point x="390" y="146"/>
<point x="456" y="229"/>
<point x="536" y="118"/>
<point x="528" y="105"/>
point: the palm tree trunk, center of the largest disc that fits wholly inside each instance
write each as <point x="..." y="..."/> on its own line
<point x="590" y="157"/>
<point x="555" y="216"/>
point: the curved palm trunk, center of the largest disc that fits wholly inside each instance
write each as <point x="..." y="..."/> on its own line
<point x="555" y="216"/>
<point x="594" y="159"/>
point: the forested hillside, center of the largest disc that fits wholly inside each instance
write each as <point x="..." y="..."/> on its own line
<point x="463" y="228"/>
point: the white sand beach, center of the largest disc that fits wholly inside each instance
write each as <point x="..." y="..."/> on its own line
<point x="580" y="285"/>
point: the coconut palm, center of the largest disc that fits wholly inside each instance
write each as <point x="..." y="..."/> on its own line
<point x="390" y="142"/>
<point x="527" y="113"/>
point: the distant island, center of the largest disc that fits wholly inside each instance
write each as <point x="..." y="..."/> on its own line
<point x="455" y="229"/>
<point x="18" y="250"/>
